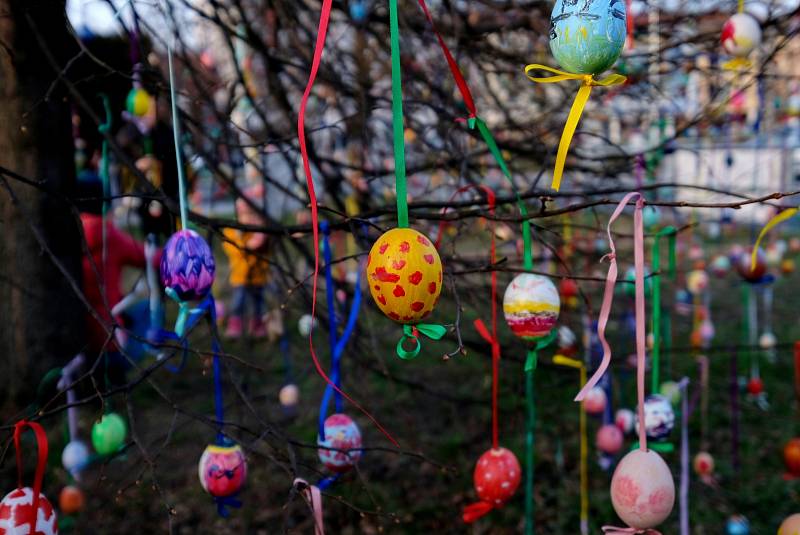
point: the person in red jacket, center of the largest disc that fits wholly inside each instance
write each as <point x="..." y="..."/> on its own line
<point x="122" y="250"/>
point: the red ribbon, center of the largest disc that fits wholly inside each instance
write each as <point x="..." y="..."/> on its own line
<point x="41" y="463"/>
<point x="319" y="46"/>
<point x="611" y="530"/>
<point x="475" y="511"/>
<point x="314" y="498"/>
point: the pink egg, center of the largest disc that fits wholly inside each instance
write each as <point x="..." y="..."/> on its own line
<point x="344" y="437"/>
<point x="790" y="526"/>
<point x="624" y="419"/>
<point x="595" y="401"/>
<point x="609" y="439"/>
<point x="642" y="489"/>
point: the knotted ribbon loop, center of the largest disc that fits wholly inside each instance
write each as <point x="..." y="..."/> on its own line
<point x="775" y="221"/>
<point x="587" y="82"/>
<point x="412" y="332"/>
<point x="475" y="511"/>
<point x="532" y="360"/>
<point x="608" y="298"/>
<point x="314" y="497"/>
<point x="41" y="463"/>
<point x="612" y="530"/>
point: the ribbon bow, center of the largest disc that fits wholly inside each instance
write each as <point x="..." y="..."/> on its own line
<point x="612" y="530"/>
<point x="532" y="359"/>
<point x="588" y="81"/>
<point x="412" y="332"/>
<point x="475" y="511"/>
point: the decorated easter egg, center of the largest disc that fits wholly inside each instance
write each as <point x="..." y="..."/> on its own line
<point x="740" y="35"/>
<point x="683" y="302"/>
<point x="16" y="514"/>
<point x="595" y="401"/>
<point x="791" y="457"/>
<point x="755" y="386"/>
<point x="71" y="500"/>
<point x="630" y="278"/>
<point x="659" y="418"/>
<point x="289" y="395"/>
<point x="343" y="435"/>
<point x="790" y="526"/>
<point x="586" y="37"/>
<point x="642" y="489"/>
<point x="222" y="469"/>
<point x="743" y="267"/>
<point x="651" y="216"/>
<point x="497" y="476"/>
<point x="75" y="456"/>
<point x="696" y="253"/>
<point x="767" y="340"/>
<point x="187" y="265"/>
<point x="108" y="434"/>
<point x="138" y="102"/>
<point x="625" y="419"/>
<point x="568" y="289"/>
<point x="405" y="275"/>
<point x="672" y="391"/>
<point x="609" y="439"/>
<point x="305" y="323"/>
<point x="697" y="281"/>
<point x="703" y="464"/>
<point x="737" y="525"/>
<point x="787" y="266"/>
<point x="721" y="265"/>
<point x="531" y="306"/>
<point x="567" y="341"/>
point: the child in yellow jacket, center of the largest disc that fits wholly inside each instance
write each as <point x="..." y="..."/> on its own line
<point x="249" y="269"/>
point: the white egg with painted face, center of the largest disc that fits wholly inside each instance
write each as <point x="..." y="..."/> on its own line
<point x="659" y="418"/>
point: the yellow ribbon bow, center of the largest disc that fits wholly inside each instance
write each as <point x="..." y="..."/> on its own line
<point x="577" y="107"/>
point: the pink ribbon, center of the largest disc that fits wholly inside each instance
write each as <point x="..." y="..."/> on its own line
<point x="314" y="498"/>
<point x="612" y="530"/>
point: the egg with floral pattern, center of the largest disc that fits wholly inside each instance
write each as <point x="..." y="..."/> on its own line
<point x="222" y="469"/>
<point x="497" y="476"/>
<point x="642" y="489"/>
<point x="531" y="306"/>
<point x="16" y="514"/>
<point x="187" y="265"/>
<point x="587" y="36"/>
<point x="342" y="443"/>
<point x="404" y="273"/>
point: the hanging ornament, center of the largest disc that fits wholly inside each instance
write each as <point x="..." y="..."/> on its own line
<point x="595" y="401"/>
<point x="138" y="102"/>
<point x="630" y="277"/>
<point x="672" y="391"/>
<point x="496" y="478"/>
<point x="405" y="275"/>
<point x="567" y="341"/>
<point x="790" y="526"/>
<point x="19" y="506"/>
<point x="75" y="456"/>
<point x="752" y="271"/>
<point x="568" y="289"/>
<point x="791" y="458"/>
<point x="787" y="266"/>
<point x="609" y="439"/>
<point x="642" y="489"/>
<point x="697" y="281"/>
<point x="71" y="500"/>
<point x="625" y="419"/>
<point x="767" y="341"/>
<point x="531" y="306"/>
<point x="305" y="324"/>
<point x="651" y="216"/>
<point x="703" y="464"/>
<point x="187" y="265"/>
<point x="737" y="525"/>
<point x="343" y="437"/>
<point x="659" y="418"/>
<point x="108" y="434"/>
<point x="741" y="34"/>
<point x="755" y="386"/>
<point x="720" y="265"/>
<point x="222" y="469"/>
<point x="289" y="395"/>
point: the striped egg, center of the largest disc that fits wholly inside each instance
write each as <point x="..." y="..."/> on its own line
<point x="531" y="306"/>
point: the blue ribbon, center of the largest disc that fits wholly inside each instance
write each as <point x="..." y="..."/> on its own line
<point x="223" y="502"/>
<point x="337" y="343"/>
<point x="191" y="319"/>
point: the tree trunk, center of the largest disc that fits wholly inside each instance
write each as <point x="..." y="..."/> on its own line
<point x="41" y="318"/>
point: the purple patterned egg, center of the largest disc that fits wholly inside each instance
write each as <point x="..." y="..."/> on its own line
<point x="342" y="434"/>
<point x="187" y="265"/>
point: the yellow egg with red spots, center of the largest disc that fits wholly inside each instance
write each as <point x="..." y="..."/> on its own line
<point x="404" y="273"/>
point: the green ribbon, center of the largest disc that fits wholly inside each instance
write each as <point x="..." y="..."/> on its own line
<point x="183" y="311"/>
<point x="104" y="129"/>
<point x="671" y="234"/>
<point x="410" y="332"/>
<point x="660" y="447"/>
<point x="533" y="354"/>
<point x="397" y="120"/>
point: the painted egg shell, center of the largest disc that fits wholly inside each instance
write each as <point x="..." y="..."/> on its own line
<point x="71" y="500"/>
<point x="642" y="489"/>
<point x="109" y="434"/>
<point x="587" y="36"/>
<point x="609" y="439"/>
<point x="755" y="386"/>
<point x="787" y="266"/>
<point x="720" y="265"/>
<point x="568" y="288"/>
<point x="187" y="265"/>
<point x="497" y="476"/>
<point x="289" y="395"/>
<point x="790" y="526"/>
<point x="697" y="281"/>
<point x="305" y="323"/>
<point x="595" y="401"/>
<point x="737" y="525"/>
<point x="342" y="434"/>
<point x="16" y="514"/>
<point x="767" y="341"/>
<point x="222" y="469"/>
<point x="744" y="269"/>
<point x="531" y="306"/>
<point x="624" y="419"/>
<point x="740" y="35"/>
<point x="703" y="464"/>
<point x="75" y="456"/>
<point x="404" y="272"/>
<point x="138" y="102"/>
<point x="651" y="216"/>
<point x="659" y="419"/>
<point x="791" y="456"/>
<point x="567" y="340"/>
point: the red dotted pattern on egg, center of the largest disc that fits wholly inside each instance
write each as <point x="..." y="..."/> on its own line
<point x="497" y="476"/>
